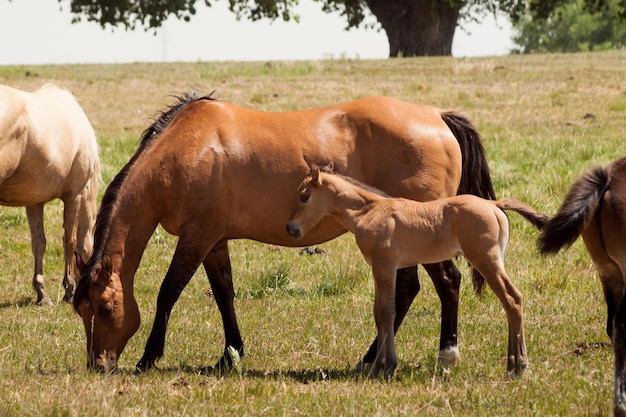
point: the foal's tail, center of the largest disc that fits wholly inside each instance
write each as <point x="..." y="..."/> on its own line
<point x="576" y="212"/>
<point x="535" y="217"/>
<point x="475" y="174"/>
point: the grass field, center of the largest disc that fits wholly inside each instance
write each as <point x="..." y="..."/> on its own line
<point x="307" y="319"/>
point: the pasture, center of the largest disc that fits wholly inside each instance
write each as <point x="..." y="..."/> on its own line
<point x="307" y="319"/>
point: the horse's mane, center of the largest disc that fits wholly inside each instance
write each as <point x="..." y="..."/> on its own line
<point x="103" y="220"/>
<point x="359" y="184"/>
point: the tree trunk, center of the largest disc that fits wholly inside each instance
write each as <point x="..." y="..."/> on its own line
<point x="417" y="27"/>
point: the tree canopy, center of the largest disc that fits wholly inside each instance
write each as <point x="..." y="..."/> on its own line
<point x="573" y="28"/>
<point x="413" y="27"/>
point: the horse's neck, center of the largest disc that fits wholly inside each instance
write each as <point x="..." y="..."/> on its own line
<point x="351" y="203"/>
<point x="129" y="232"/>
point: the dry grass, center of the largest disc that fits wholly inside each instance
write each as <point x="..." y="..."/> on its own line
<point x="307" y="319"/>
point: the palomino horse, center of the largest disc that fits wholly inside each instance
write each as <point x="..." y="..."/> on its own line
<point x="209" y="171"/>
<point x="393" y="233"/>
<point x="48" y="150"/>
<point x="595" y="206"/>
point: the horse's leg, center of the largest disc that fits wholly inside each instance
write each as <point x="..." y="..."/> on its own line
<point x="85" y="221"/>
<point x="186" y="260"/>
<point x="219" y="272"/>
<point x="407" y="288"/>
<point x="613" y="288"/>
<point x="447" y="280"/>
<point x="511" y="300"/>
<point x="34" y="214"/>
<point x="71" y="207"/>
<point x="619" y="348"/>
<point x="384" y="313"/>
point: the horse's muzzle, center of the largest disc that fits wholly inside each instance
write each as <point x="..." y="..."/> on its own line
<point x="294" y="230"/>
<point x="106" y="363"/>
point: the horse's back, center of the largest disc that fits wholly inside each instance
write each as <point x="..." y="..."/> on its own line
<point x="381" y="141"/>
<point x="47" y="135"/>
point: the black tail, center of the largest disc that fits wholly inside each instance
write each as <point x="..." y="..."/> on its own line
<point x="578" y="209"/>
<point x="475" y="175"/>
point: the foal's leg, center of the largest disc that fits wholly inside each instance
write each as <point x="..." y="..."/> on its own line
<point x="407" y="288"/>
<point x="619" y="347"/>
<point x="38" y="242"/>
<point x="385" y="313"/>
<point x="511" y="300"/>
<point x="186" y="260"/>
<point x="218" y="269"/>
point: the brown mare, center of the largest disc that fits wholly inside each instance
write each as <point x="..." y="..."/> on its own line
<point x="209" y="171"/>
<point x="394" y="233"/>
<point x="48" y="150"/>
<point x="595" y="207"/>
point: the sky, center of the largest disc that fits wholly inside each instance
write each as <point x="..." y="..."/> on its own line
<point x="40" y="32"/>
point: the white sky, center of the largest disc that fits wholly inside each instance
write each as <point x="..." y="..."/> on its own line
<point x="39" y="32"/>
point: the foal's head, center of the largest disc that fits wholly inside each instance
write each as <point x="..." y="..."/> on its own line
<point x="313" y="205"/>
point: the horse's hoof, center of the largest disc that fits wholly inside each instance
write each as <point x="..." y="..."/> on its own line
<point x="449" y="357"/>
<point x="144" y="366"/>
<point x="366" y="369"/>
<point x="45" y="302"/>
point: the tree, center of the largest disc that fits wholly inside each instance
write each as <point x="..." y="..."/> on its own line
<point x="413" y="27"/>
<point x="572" y="28"/>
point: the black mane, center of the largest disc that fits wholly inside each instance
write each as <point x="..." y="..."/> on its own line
<point x="103" y="220"/>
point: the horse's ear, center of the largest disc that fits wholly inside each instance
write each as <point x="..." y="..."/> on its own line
<point x="315" y="174"/>
<point x="330" y="167"/>
<point x="80" y="264"/>
<point x="106" y="267"/>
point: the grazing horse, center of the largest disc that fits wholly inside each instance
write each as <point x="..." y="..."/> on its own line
<point x="48" y="150"/>
<point x="209" y="171"/>
<point x="595" y="207"/>
<point x="393" y="233"/>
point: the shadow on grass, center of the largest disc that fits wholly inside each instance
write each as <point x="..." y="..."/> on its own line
<point x="20" y="303"/>
<point x="304" y="376"/>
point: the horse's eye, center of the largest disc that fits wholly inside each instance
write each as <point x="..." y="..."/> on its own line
<point x="107" y="308"/>
<point x="304" y="197"/>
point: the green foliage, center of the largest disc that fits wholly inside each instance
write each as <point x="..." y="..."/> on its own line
<point x="573" y="27"/>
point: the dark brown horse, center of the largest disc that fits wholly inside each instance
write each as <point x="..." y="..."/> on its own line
<point x="595" y="207"/>
<point x="209" y="171"/>
<point x="393" y="233"/>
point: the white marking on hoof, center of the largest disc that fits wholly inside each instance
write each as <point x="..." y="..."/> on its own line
<point x="449" y="357"/>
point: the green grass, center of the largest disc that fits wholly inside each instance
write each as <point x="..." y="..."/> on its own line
<point x="306" y="319"/>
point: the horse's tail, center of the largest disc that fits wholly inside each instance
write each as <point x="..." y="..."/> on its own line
<point x="535" y="217"/>
<point x="576" y="212"/>
<point x="475" y="175"/>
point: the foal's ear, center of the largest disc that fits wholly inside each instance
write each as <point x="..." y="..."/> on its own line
<point x="329" y="168"/>
<point x="315" y="174"/>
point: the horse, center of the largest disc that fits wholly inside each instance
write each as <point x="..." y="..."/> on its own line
<point x="595" y="207"/>
<point x="208" y="171"/>
<point x="393" y="233"/>
<point x="49" y="151"/>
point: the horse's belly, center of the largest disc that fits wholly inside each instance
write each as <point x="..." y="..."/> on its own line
<point x="23" y="195"/>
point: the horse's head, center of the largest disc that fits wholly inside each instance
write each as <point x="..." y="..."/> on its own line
<point x="312" y="206"/>
<point x="110" y="315"/>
